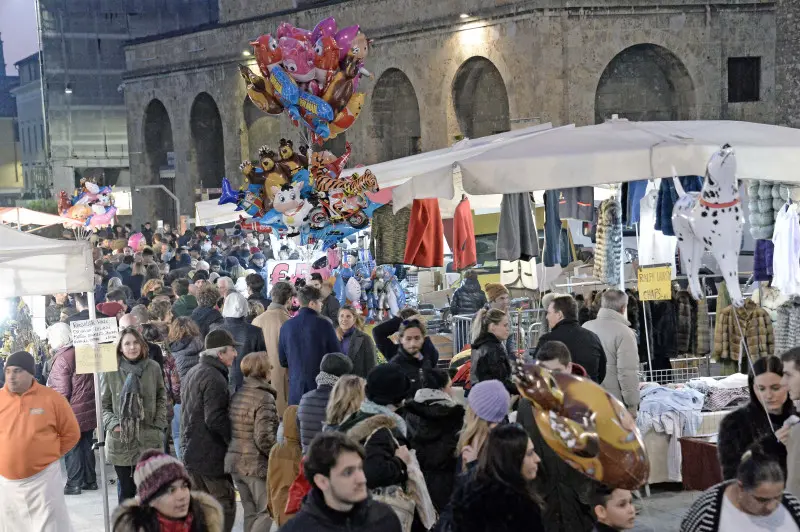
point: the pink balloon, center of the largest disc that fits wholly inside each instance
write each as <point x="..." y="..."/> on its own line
<point x="325" y="28"/>
<point x="287" y="30"/>
<point x="344" y="38"/>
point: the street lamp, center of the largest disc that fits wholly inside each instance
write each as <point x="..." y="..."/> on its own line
<point x="68" y="89"/>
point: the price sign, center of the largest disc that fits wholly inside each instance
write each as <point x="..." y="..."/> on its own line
<point x="94" y="331"/>
<point x="99" y="358"/>
<point x="655" y="282"/>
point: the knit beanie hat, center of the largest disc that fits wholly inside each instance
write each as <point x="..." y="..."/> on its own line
<point x="22" y="359"/>
<point x="490" y="401"/>
<point x="495" y="290"/>
<point x="387" y="385"/>
<point x="154" y="471"/>
<point x="59" y="335"/>
<point x="336" y="364"/>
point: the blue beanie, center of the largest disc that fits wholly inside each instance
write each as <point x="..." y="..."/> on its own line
<point x="490" y="401"/>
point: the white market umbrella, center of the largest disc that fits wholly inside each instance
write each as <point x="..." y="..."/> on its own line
<point x="619" y="150"/>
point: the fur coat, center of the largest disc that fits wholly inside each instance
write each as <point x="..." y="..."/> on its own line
<point x="127" y="514"/>
<point x="788" y="327"/>
<point x="703" y="328"/>
<point x="608" y="251"/>
<point x="687" y="322"/>
<point x="757" y="328"/>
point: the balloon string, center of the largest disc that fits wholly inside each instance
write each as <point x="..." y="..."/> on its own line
<point x="746" y="351"/>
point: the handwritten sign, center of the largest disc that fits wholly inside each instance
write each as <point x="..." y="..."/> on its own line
<point x="96" y="358"/>
<point x="655" y="282"/>
<point x="94" y="331"/>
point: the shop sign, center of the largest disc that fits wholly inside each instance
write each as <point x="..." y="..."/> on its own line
<point x="655" y="282"/>
<point x="289" y="270"/>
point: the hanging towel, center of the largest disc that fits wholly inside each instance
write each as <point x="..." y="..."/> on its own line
<point x="667" y="196"/>
<point x="464" y="252"/>
<point x="425" y="244"/>
<point x="576" y="203"/>
<point x="517" y="238"/>
<point x="389" y="235"/>
<point x="552" y="229"/>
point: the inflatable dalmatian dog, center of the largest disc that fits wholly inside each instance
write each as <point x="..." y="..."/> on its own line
<point x="711" y="220"/>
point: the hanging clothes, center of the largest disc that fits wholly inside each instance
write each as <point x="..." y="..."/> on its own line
<point x="787" y="329"/>
<point x="703" y="329"/>
<point x="786" y="256"/>
<point x="687" y="322"/>
<point x="762" y="260"/>
<point x="756" y="325"/>
<point x="552" y="229"/>
<point x="762" y="211"/>
<point x="654" y="246"/>
<point x="425" y="244"/>
<point x="770" y="299"/>
<point x="389" y="234"/>
<point x="667" y="196"/>
<point x="636" y="191"/>
<point x="664" y="330"/>
<point x="519" y="274"/>
<point x="608" y="251"/>
<point x="576" y="203"/>
<point x="464" y="252"/>
<point x="517" y="238"/>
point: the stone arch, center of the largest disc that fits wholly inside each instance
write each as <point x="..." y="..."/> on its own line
<point x="262" y="128"/>
<point x="208" y="148"/>
<point x="160" y="169"/>
<point x="395" y="115"/>
<point x="480" y="99"/>
<point x="645" y="82"/>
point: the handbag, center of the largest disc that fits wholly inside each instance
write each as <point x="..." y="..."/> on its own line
<point x="297" y="491"/>
<point x="400" y="503"/>
<point x="418" y="490"/>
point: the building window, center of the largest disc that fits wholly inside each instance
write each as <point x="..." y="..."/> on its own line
<point x="744" y="79"/>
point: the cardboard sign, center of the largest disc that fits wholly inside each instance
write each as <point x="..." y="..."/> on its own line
<point x="655" y="282"/>
<point x="94" y="331"/>
<point x="97" y="358"/>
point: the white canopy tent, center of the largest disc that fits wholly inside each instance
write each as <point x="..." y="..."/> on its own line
<point x="209" y="212"/>
<point x="23" y="216"/>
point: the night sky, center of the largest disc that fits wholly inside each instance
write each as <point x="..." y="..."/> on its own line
<point x="18" y="30"/>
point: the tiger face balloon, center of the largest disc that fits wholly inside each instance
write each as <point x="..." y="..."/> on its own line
<point x="586" y="426"/>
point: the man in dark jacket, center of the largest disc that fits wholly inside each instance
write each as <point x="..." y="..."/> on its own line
<point x="330" y="305"/>
<point x="205" y="423"/>
<point x="382" y="334"/>
<point x="255" y="289"/>
<point x="303" y="341"/>
<point x="249" y="338"/>
<point x="186" y="302"/>
<point x="206" y="314"/>
<point x="468" y="298"/>
<point x="339" y="496"/>
<point x="147" y="233"/>
<point x="409" y="357"/>
<point x="584" y="346"/>
<point x="312" y="410"/>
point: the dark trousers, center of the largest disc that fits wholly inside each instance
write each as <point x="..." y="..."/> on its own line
<point x="126" y="489"/>
<point x="221" y="488"/>
<point x="80" y="462"/>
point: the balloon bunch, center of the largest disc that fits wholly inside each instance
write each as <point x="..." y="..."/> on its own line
<point x="311" y="75"/>
<point x="90" y="204"/>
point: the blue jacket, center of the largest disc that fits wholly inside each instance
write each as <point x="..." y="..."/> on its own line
<point x="667" y="196"/>
<point x="302" y="343"/>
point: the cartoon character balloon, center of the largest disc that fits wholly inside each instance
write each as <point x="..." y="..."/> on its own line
<point x="90" y="205"/>
<point x="587" y="427"/>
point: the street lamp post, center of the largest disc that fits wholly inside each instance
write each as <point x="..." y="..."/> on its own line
<point x="138" y="188"/>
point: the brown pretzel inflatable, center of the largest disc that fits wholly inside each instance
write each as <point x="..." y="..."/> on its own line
<point x="586" y="426"/>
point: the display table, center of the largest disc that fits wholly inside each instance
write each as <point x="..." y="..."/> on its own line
<point x="700" y="467"/>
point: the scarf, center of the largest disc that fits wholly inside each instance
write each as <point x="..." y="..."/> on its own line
<point x="369" y="407"/>
<point x="326" y="379"/>
<point x="131" y="409"/>
<point x="438" y="397"/>
<point x="175" y="525"/>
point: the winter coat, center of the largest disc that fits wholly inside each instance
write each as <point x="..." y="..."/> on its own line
<point x="687" y="322"/>
<point x="184" y="306"/>
<point x="135" y="283"/>
<point x="622" y="356"/>
<point x="361" y="352"/>
<point x="129" y="513"/>
<point x="311" y="413"/>
<point x="703" y="333"/>
<point x="186" y="353"/>
<point x="302" y="343"/>
<point x="663" y="325"/>
<point x="366" y="516"/>
<point x="490" y="361"/>
<point x="757" y="328"/>
<point x="205" y="423"/>
<point x="205" y="317"/>
<point x="77" y="389"/>
<point x="250" y="340"/>
<point x="154" y="405"/>
<point x="771" y="299"/>
<point x="270" y="323"/>
<point x="480" y="505"/>
<point x="468" y="298"/>
<point x="787" y="330"/>
<point x="389" y="235"/>
<point x="284" y="465"/>
<point x="433" y="429"/>
<point x="379" y="435"/>
<point x="584" y="346"/>
<point x="745" y="426"/>
<point x="667" y="196"/>
<point x="564" y="489"/>
<point x="762" y="260"/>
<point x="330" y="309"/>
<point x="254" y="428"/>
<point x="608" y="249"/>
<point x="382" y="334"/>
<point x="412" y="368"/>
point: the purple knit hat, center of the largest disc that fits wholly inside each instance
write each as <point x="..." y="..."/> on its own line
<point x="154" y="471"/>
<point x="490" y="401"/>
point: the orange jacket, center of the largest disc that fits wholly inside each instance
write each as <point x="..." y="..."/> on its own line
<point x="36" y="429"/>
<point x="464" y="252"/>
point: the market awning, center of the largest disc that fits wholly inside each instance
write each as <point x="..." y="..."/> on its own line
<point x="209" y="213"/>
<point x="23" y="216"/>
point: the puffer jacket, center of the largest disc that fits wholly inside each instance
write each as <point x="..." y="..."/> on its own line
<point x="379" y="435"/>
<point x="490" y="361"/>
<point x="254" y="428"/>
<point x="130" y="515"/>
<point x="77" y="389"/>
<point x="311" y="413"/>
<point x="608" y="250"/>
<point x="756" y="325"/>
<point x="186" y="353"/>
<point x="468" y="298"/>
<point x="205" y="317"/>
<point x="250" y="340"/>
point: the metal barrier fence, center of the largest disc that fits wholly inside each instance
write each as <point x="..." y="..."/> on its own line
<point x="526" y="325"/>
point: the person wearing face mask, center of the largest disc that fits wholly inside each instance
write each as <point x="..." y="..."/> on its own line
<point x="134" y="408"/>
<point x="409" y="357"/>
<point x="165" y="501"/>
<point x="489" y="358"/>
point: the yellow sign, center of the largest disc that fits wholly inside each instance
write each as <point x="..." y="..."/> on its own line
<point x="655" y="282"/>
<point x="98" y="358"/>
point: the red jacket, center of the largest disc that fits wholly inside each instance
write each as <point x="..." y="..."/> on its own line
<point x="425" y="243"/>
<point x="77" y="389"/>
<point x="464" y="252"/>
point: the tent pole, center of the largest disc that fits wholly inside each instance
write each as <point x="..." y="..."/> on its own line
<point x="101" y="435"/>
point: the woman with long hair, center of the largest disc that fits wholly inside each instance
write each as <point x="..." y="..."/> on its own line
<point x="136" y="279"/>
<point x="756" y="422"/>
<point x="489" y="357"/>
<point x="134" y="408"/>
<point x="487" y="406"/>
<point x="346" y="398"/>
<point x="498" y="496"/>
<point x="185" y="343"/>
<point x="149" y="290"/>
<point x="356" y="344"/>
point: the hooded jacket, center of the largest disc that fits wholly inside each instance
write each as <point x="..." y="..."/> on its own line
<point x="468" y="298"/>
<point x="366" y="516"/>
<point x="584" y="346"/>
<point x="412" y="368"/>
<point x="284" y="465"/>
<point x="130" y="513"/>
<point x="77" y="389"/>
<point x="380" y="437"/>
<point x="186" y="353"/>
<point x="254" y="428"/>
<point x="184" y="306"/>
<point x="205" y="317"/>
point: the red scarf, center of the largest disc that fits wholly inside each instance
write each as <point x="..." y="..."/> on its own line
<point x="175" y="525"/>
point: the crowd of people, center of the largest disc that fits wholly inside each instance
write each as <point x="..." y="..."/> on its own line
<point x="281" y="398"/>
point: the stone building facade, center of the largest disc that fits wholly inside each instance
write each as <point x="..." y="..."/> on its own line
<point x="447" y="70"/>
